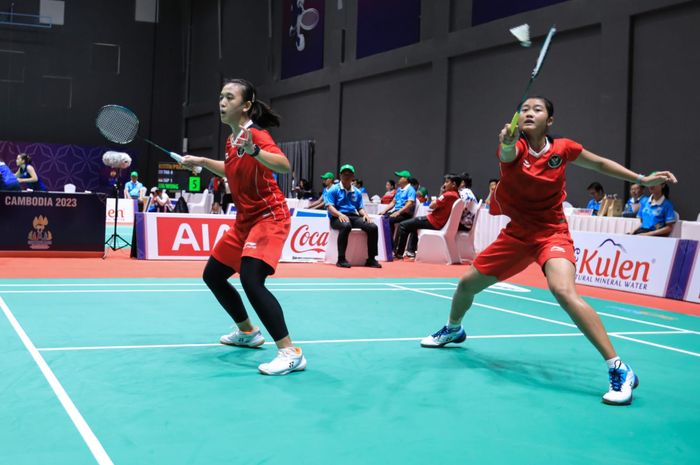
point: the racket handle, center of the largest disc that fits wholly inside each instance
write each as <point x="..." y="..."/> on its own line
<point x="514" y="122"/>
<point x="178" y="158"/>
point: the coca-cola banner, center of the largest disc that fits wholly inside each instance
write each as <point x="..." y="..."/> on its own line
<point x="307" y="239"/>
<point x="638" y="264"/>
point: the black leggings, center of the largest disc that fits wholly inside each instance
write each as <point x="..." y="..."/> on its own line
<point x="253" y="274"/>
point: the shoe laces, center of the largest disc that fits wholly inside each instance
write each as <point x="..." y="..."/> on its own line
<point x="617" y="376"/>
<point x="442" y="332"/>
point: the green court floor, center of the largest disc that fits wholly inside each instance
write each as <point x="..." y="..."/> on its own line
<point x="129" y="372"/>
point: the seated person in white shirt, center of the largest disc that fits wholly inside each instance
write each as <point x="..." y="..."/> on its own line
<point x="633" y="203"/>
<point x="470" y="202"/>
<point x="346" y="209"/>
<point x="159" y="201"/>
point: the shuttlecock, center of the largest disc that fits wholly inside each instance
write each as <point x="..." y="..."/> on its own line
<point x="522" y="33"/>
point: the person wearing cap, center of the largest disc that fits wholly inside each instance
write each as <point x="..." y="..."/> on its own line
<point x="346" y="207"/>
<point x="320" y="203"/>
<point x="436" y="219"/>
<point x="422" y="196"/>
<point x="159" y="201"/>
<point x="135" y="190"/>
<point x="401" y="207"/>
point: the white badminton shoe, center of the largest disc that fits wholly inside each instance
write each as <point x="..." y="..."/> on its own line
<point x="622" y="382"/>
<point x="287" y="360"/>
<point x="243" y="339"/>
<point x="444" y="336"/>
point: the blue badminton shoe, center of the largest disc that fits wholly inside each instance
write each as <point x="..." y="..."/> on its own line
<point x="622" y="382"/>
<point x="444" y="336"/>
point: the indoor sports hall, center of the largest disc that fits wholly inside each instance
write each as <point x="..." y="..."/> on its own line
<point x="350" y="177"/>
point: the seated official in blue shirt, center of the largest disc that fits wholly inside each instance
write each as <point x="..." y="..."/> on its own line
<point x="656" y="213"/>
<point x="633" y="203"/>
<point x="595" y="190"/>
<point x="401" y="207"/>
<point x="320" y="203"/>
<point x="346" y="207"/>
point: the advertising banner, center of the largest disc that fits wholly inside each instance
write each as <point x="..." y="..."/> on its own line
<point x="52" y="224"/>
<point x="628" y="263"/>
<point x="307" y="238"/>
<point x="692" y="293"/>
<point x="125" y="214"/>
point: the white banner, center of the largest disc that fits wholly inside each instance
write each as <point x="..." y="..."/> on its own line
<point x="638" y="264"/>
<point x="692" y="294"/>
<point x="126" y="211"/>
<point x="307" y="239"/>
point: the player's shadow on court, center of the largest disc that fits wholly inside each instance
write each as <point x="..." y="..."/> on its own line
<point x="552" y="374"/>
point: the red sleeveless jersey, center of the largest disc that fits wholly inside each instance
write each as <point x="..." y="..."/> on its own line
<point x="254" y="189"/>
<point x="532" y="187"/>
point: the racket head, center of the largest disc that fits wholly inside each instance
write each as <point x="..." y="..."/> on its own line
<point x="117" y="124"/>
<point x="543" y="51"/>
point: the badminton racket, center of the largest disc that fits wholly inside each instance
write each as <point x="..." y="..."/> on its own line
<point x="533" y="75"/>
<point x="120" y="125"/>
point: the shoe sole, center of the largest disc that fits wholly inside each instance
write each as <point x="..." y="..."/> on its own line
<point x="250" y="346"/>
<point x="629" y="402"/>
<point x="301" y="367"/>
<point x="437" y="346"/>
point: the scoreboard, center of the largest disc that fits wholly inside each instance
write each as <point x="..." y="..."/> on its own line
<point x="173" y="177"/>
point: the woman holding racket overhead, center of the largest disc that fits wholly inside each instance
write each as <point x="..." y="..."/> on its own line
<point x="531" y="192"/>
<point x="254" y="245"/>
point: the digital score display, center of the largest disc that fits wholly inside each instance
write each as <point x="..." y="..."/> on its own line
<point x="173" y="177"/>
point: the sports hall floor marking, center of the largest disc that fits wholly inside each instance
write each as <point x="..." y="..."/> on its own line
<point x="83" y="428"/>
<point x="527" y="315"/>
<point x="342" y="341"/>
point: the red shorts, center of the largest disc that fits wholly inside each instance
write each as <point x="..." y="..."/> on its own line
<point x="263" y="240"/>
<point x="513" y="250"/>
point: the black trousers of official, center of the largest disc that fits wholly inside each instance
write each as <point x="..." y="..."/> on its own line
<point x="344" y="229"/>
<point x="408" y="231"/>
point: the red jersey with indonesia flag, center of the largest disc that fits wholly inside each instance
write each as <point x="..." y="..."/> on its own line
<point x="254" y="189"/>
<point x="532" y="187"/>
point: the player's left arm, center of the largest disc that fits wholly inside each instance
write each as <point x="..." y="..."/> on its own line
<point x="591" y="161"/>
<point x="277" y="162"/>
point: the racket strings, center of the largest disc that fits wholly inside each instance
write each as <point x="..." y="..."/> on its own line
<point x="117" y="125"/>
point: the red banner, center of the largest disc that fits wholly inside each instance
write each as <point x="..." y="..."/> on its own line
<point x="193" y="236"/>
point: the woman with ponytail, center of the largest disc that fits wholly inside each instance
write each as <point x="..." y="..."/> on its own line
<point x="26" y="174"/>
<point x="254" y="245"/>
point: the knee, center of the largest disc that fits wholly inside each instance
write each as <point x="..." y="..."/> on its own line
<point x="251" y="282"/>
<point x="564" y="293"/>
<point x="344" y="227"/>
<point x="211" y="278"/>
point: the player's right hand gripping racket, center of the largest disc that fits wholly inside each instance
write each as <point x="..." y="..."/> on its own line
<point x="535" y="72"/>
<point x="120" y="125"/>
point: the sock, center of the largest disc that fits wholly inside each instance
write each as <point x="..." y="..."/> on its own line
<point x="452" y="327"/>
<point x="611" y="362"/>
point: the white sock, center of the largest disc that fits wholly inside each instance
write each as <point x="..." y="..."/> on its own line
<point x="451" y="326"/>
<point x="611" y="362"/>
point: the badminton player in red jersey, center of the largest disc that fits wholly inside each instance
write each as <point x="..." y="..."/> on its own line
<point x="531" y="192"/>
<point x="254" y="245"/>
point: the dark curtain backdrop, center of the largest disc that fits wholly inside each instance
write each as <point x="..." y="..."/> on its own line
<point x="301" y="158"/>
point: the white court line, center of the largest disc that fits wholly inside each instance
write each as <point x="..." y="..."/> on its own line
<point x="83" y="428"/>
<point x="613" y="334"/>
<point x="239" y="287"/>
<point x="610" y="315"/>
<point x="338" y="341"/>
<point x="201" y="284"/>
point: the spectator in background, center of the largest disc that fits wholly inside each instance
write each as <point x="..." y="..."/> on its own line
<point x="492" y="187"/>
<point x="159" y="201"/>
<point x="470" y="202"/>
<point x="135" y="190"/>
<point x="390" y="192"/>
<point x="320" y="203"/>
<point x="656" y="212"/>
<point x="346" y="209"/>
<point x="441" y="209"/>
<point x="217" y="186"/>
<point x="633" y="203"/>
<point x="401" y="207"/>
<point x="359" y="185"/>
<point x="26" y="174"/>
<point x="8" y="180"/>
<point x="422" y="196"/>
<point x="414" y="182"/>
<point x="303" y="190"/>
<point x="595" y="190"/>
<point x="216" y="209"/>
